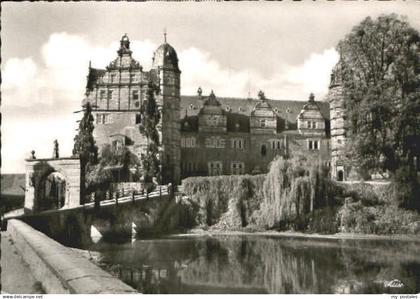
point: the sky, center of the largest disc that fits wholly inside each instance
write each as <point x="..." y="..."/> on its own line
<point x="286" y="49"/>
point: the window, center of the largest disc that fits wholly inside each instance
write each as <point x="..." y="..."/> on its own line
<point x="132" y="77"/>
<point x="109" y="97"/>
<point x="262" y="123"/>
<point x="135" y="94"/>
<point x="102" y="94"/>
<point x="313" y="125"/>
<point x="112" y="77"/>
<point x="237" y="143"/>
<point x="117" y="144"/>
<point x="137" y="104"/>
<point x="263" y="150"/>
<point x="215" y="142"/>
<point x="309" y="124"/>
<point x="313" y="144"/>
<point x="138" y="119"/>
<point x="275" y="144"/>
<point x="188" y="142"/>
<point x="103" y="118"/>
<point x="237" y="168"/>
<point x="215" y="168"/>
<point x="212" y="121"/>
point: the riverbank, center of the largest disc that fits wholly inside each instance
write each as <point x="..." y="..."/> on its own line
<point x="293" y="234"/>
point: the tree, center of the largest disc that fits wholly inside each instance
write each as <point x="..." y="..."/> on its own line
<point x="120" y="157"/>
<point x="84" y="145"/>
<point x="150" y="116"/>
<point x="381" y="87"/>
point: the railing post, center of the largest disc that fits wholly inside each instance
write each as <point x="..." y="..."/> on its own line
<point x="123" y="192"/>
<point x="147" y="194"/>
<point x="160" y="192"/>
<point x="132" y="196"/>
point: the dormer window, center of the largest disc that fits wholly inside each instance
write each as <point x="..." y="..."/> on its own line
<point x="228" y="108"/>
<point x="262" y="123"/>
<point x="276" y="110"/>
<point x="112" y="77"/>
<point x="288" y="110"/>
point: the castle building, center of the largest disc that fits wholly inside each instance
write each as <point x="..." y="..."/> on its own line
<point x="204" y="135"/>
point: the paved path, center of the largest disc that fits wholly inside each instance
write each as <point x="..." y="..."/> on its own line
<point x="16" y="277"/>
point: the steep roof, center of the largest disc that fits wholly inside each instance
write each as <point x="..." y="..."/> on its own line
<point x="93" y="76"/>
<point x="286" y="109"/>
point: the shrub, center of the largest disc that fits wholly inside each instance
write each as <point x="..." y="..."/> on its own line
<point x="215" y="195"/>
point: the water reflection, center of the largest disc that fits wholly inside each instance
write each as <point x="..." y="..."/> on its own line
<point x="259" y="264"/>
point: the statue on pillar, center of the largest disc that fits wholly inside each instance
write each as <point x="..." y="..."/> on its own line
<point x="33" y="155"/>
<point x="56" y="154"/>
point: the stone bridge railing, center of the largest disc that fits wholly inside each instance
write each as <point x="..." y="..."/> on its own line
<point x="124" y="196"/>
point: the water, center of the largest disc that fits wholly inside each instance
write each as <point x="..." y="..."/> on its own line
<point x="263" y="264"/>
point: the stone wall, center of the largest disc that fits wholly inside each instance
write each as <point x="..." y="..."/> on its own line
<point x="61" y="269"/>
<point x="338" y="132"/>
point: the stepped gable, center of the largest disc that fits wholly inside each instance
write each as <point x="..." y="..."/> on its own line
<point x="286" y="109"/>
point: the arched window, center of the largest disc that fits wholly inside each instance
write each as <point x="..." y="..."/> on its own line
<point x="263" y="150"/>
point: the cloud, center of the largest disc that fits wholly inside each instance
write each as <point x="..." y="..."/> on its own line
<point x="290" y="82"/>
<point x="39" y="97"/>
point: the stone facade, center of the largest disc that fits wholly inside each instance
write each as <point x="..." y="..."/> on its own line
<point x="238" y="136"/>
<point x="338" y="128"/>
<point x="117" y="93"/>
<point x="201" y="135"/>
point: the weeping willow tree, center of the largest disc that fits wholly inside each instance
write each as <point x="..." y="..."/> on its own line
<point x="292" y="190"/>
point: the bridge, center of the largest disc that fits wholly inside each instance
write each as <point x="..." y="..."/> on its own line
<point x="157" y="212"/>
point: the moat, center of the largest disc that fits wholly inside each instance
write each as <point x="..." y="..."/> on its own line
<point x="263" y="264"/>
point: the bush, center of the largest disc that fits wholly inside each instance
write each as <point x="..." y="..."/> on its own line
<point x="215" y="195"/>
<point x="385" y="219"/>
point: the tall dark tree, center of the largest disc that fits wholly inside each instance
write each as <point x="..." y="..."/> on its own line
<point x="84" y="144"/>
<point x="150" y="117"/>
<point x="381" y="79"/>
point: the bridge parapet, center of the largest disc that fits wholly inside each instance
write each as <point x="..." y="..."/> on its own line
<point x="60" y="269"/>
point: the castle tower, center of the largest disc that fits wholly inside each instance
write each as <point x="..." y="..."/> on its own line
<point x="338" y="126"/>
<point x="167" y="74"/>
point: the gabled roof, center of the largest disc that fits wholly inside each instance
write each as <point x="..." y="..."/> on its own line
<point x="286" y="109"/>
<point x="93" y="76"/>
